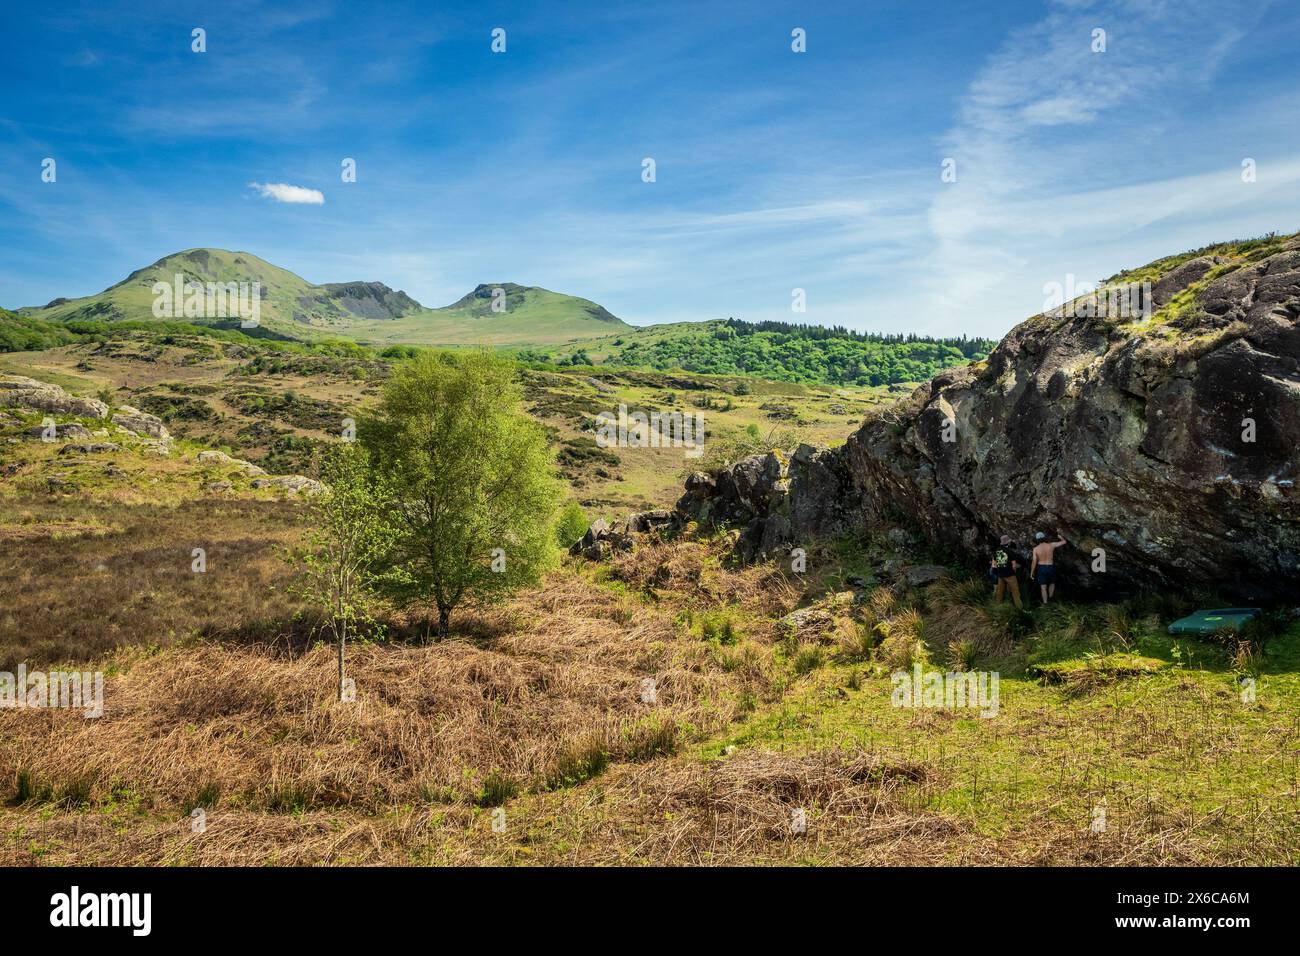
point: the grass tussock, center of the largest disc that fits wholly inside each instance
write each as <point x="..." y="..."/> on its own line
<point x="961" y="617"/>
<point x="767" y="806"/>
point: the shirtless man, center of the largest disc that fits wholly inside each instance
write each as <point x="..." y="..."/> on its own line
<point x="1042" y="568"/>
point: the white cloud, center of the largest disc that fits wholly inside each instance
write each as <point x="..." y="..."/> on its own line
<point x="283" y="192"/>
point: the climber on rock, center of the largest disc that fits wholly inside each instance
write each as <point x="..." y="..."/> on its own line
<point x="1043" y="566"/>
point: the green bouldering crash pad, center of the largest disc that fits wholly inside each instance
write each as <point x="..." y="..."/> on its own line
<point x="1218" y="619"/>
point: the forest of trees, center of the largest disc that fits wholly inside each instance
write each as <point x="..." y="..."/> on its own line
<point x="969" y="347"/>
<point x="19" y="333"/>
<point x="801" y="353"/>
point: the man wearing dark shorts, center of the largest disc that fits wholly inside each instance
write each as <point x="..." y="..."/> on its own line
<point x="1004" y="566"/>
<point x="1043" y="567"/>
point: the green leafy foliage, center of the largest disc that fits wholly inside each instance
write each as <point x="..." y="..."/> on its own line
<point x="350" y="527"/>
<point x="798" y="353"/>
<point x="20" y="333"/>
<point x="474" y="475"/>
<point x="571" y="525"/>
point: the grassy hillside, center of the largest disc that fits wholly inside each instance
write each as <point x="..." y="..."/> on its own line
<point x="363" y="311"/>
<point x="275" y="402"/>
<point x="532" y="317"/>
<point x="289" y="303"/>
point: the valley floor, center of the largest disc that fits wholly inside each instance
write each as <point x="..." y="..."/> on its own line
<point x="530" y="738"/>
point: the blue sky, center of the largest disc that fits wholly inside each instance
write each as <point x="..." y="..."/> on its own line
<point x="775" y="170"/>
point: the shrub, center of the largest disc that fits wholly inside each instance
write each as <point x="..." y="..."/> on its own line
<point x="571" y="524"/>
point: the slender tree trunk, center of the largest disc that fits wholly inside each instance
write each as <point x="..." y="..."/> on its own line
<point x="444" y="622"/>
<point x="343" y="640"/>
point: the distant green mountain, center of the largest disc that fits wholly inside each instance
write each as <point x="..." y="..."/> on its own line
<point x="286" y="302"/>
<point x="364" y="311"/>
<point x="524" y="316"/>
<point x="536" y="323"/>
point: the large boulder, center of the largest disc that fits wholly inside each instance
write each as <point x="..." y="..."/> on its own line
<point x="220" y="459"/>
<point x="1164" y="450"/>
<point x="290" y="484"/>
<point x="29" y="393"/>
<point x="140" y="423"/>
<point x="782" y="500"/>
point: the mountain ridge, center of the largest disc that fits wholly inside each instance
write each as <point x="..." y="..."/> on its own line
<point x="364" y="310"/>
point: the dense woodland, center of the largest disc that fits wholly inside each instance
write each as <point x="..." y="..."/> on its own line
<point x="800" y="353"/>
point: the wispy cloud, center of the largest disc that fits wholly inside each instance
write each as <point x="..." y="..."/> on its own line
<point x="1064" y="153"/>
<point x="283" y="192"/>
<point x="776" y="170"/>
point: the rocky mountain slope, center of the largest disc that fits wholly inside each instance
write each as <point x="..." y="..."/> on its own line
<point x="1164" y="445"/>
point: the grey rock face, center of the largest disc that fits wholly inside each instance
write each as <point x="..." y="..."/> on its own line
<point x="783" y="501"/>
<point x="1171" y="453"/>
<point x="921" y="575"/>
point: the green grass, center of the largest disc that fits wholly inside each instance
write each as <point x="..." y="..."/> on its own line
<point x="1166" y="729"/>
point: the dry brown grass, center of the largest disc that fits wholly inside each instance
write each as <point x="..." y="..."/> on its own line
<point x="127" y="579"/>
<point x="536" y="707"/>
<point x="694" y="573"/>
<point x="860" y="809"/>
<point x="457" y="721"/>
<point x="742" y="809"/>
<point x="679" y="812"/>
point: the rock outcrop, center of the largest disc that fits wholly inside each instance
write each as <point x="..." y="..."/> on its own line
<point x="780" y="500"/>
<point x="1164" y="447"/>
<point x="140" y="423"/>
<point x="290" y="484"/>
<point x="29" y="393"/>
<point x="221" y="460"/>
<point x="603" y="539"/>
